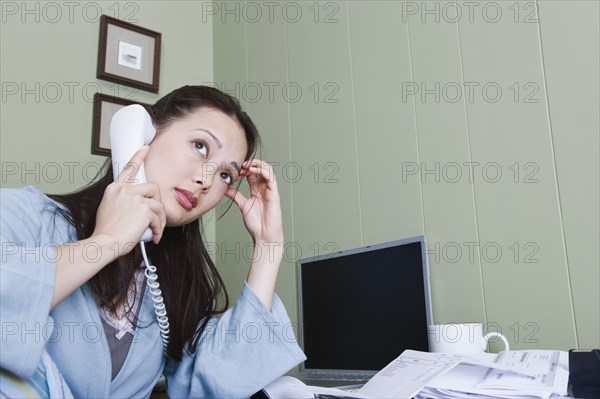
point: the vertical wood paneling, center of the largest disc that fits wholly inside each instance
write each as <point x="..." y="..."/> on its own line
<point x="527" y="289"/>
<point x="390" y="203"/>
<point x="233" y="250"/>
<point x="448" y="192"/>
<point x="352" y="138"/>
<point x="571" y="63"/>
<point x="267" y="76"/>
<point x="326" y="196"/>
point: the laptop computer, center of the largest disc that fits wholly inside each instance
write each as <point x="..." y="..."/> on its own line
<point x="360" y="308"/>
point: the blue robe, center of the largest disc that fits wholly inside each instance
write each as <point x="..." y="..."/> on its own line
<point x="244" y="350"/>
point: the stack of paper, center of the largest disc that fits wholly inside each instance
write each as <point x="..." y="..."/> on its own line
<point x="511" y="374"/>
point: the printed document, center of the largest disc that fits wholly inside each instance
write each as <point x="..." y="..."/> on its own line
<point x="511" y="374"/>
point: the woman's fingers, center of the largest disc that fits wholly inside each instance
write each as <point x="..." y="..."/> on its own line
<point x="261" y="179"/>
<point x="130" y="169"/>
<point x="158" y="218"/>
<point x="261" y="168"/>
<point x="127" y="210"/>
<point x="257" y="171"/>
<point x="148" y="193"/>
<point x="262" y="210"/>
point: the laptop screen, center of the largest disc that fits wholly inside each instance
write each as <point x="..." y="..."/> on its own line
<point x="360" y="309"/>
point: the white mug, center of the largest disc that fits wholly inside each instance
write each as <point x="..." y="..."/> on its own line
<point x="463" y="338"/>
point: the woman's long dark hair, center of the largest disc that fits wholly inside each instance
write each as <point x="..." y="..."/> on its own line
<point x="191" y="285"/>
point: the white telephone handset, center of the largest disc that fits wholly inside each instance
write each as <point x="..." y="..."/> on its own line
<point x="131" y="128"/>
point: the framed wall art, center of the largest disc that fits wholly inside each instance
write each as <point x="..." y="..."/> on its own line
<point x="129" y="54"/>
<point x="104" y="108"/>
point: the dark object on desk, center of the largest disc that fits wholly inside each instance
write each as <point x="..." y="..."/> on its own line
<point x="260" y="395"/>
<point x="584" y="373"/>
<point x="263" y="395"/>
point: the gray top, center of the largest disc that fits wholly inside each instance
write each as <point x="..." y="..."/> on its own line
<point x="120" y="333"/>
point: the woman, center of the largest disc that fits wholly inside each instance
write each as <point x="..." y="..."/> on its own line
<point x="72" y="286"/>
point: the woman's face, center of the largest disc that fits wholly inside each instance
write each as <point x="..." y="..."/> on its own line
<point x="194" y="160"/>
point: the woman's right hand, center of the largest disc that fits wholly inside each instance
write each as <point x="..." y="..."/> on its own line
<point x="127" y="209"/>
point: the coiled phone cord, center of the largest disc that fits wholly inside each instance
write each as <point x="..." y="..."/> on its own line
<point x="157" y="300"/>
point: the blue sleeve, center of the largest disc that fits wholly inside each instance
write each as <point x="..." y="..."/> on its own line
<point x="27" y="274"/>
<point x="238" y="354"/>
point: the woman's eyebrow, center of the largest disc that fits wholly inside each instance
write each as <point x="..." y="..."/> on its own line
<point x="215" y="138"/>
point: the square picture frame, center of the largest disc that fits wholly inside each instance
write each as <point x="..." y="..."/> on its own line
<point x="105" y="107"/>
<point x="129" y="54"/>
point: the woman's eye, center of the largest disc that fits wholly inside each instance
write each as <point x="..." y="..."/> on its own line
<point x="226" y="178"/>
<point x="201" y="147"/>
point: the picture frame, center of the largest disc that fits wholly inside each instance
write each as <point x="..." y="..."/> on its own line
<point x="129" y="54"/>
<point x="105" y="107"/>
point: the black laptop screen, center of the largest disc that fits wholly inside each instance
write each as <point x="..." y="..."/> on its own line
<point x="361" y="311"/>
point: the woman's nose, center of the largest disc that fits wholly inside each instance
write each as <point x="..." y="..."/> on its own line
<point x="206" y="175"/>
<point x="204" y="182"/>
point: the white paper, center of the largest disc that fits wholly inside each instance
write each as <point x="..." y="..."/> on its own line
<point x="543" y="365"/>
<point x="463" y="382"/>
<point x="408" y="374"/>
<point x="490" y="360"/>
<point x="442" y="375"/>
<point x="548" y="376"/>
<point x="287" y="387"/>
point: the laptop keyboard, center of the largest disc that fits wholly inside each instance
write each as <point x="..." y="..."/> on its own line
<point x="320" y="375"/>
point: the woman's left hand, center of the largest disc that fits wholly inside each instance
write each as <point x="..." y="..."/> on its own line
<point x="262" y="211"/>
<point x="262" y="217"/>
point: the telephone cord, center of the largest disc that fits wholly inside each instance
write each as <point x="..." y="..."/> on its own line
<point x="157" y="300"/>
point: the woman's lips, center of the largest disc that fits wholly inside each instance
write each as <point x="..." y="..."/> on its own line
<point x="186" y="198"/>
